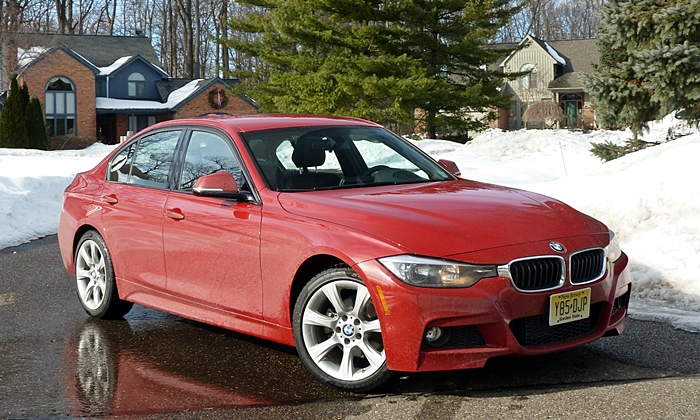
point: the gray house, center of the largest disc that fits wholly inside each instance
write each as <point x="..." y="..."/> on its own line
<point x="555" y="75"/>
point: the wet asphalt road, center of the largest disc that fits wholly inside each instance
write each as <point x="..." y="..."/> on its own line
<point x="56" y="362"/>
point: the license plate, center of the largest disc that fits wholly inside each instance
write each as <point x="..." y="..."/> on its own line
<point x="569" y="306"/>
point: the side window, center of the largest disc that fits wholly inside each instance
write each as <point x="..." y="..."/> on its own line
<point x="154" y="156"/>
<point x="208" y="153"/>
<point x="120" y="166"/>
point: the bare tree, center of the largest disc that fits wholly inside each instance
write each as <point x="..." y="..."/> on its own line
<point x="553" y="20"/>
<point x="185" y="33"/>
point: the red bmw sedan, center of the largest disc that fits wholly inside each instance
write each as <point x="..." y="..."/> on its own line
<point x="340" y="238"/>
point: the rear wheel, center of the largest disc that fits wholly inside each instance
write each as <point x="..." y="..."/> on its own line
<point x="95" y="283"/>
<point x="337" y="332"/>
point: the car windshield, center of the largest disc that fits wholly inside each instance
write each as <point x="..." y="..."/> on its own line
<point x="314" y="158"/>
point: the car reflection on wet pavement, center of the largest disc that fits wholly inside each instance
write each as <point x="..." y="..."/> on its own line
<point x="153" y="362"/>
<point x="137" y="366"/>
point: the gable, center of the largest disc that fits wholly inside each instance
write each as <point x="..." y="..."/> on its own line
<point x="61" y="62"/>
<point x="119" y="79"/>
<point x="199" y="103"/>
<point x="535" y="52"/>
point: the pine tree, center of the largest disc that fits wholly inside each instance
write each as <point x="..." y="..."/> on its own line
<point x="650" y="62"/>
<point x="36" y="128"/>
<point x="24" y="96"/>
<point x="375" y="59"/>
<point x="13" y="131"/>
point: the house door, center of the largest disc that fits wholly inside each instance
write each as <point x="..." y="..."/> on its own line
<point x="106" y="128"/>
<point x="572" y="104"/>
<point x="571" y="112"/>
<point x="514" y="116"/>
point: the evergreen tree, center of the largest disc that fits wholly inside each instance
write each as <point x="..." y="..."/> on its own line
<point x="24" y="96"/>
<point x="36" y="129"/>
<point x="375" y="59"/>
<point x="13" y="131"/>
<point x="650" y="62"/>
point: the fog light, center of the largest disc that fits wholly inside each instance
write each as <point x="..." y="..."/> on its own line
<point x="433" y="334"/>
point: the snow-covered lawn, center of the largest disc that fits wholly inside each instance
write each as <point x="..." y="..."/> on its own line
<point x="650" y="198"/>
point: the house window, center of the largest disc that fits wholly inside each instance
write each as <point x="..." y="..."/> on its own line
<point x="528" y="81"/>
<point x="136" y="84"/>
<point x="59" y="106"/>
<point x="139" y="122"/>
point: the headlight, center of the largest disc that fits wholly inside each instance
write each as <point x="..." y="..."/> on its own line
<point x="613" y="251"/>
<point x="428" y="272"/>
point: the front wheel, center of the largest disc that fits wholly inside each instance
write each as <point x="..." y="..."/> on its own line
<point x="337" y="332"/>
<point x="94" y="275"/>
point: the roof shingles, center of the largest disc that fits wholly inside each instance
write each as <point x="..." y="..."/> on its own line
<point x="100" y="50"/>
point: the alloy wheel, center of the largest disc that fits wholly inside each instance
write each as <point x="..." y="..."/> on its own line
<point x="91" y="274"/>
<point x="341" y="331"/>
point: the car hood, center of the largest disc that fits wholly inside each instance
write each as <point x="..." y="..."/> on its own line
<point x="445" y="218"/>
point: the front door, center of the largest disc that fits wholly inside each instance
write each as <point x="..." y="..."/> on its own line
<point x="571" y="113"/>
<point x="212" y="245"/>
<point x="107" y="128"/>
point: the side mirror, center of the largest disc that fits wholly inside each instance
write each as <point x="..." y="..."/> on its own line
<point x="450" y="166"/>
<point x="221" y="185"/>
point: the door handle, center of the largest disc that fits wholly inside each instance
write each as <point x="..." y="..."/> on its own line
<point x="109" y="199"/>
<point x="174" y="214"/>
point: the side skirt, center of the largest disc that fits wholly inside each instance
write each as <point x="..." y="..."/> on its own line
<point x="166" y="302"/>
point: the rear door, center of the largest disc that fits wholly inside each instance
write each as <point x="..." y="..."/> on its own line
<point x="133" y="200"/>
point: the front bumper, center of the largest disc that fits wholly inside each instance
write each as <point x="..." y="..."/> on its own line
<point x="490" y="318"/>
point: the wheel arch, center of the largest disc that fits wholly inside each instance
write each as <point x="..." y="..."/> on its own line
<point x="306" y="271"/>
<point x="78" y="235"/>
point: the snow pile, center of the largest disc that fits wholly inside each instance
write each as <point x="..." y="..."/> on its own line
<point x="25" y="57"/>
<point x="106" y="71"/>
<point x="31" y="189"/>
<point x="555" y="55"/>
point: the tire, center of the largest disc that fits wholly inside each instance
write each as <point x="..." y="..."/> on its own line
<point x="337" y="332"/>
<point x="94" y="276"/>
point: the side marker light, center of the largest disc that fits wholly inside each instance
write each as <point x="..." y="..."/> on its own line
<point x="385" y="305"/>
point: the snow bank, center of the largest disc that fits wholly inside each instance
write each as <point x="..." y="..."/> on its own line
<point x="31" y="189"/>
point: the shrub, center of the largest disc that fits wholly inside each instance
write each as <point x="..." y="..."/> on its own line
<point x="13" y="130"/>
<point x="36" y="131"/>
<point x="71" y="142"/>
<point x="544" y="112"/>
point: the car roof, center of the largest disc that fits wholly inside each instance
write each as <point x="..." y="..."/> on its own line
<point x="254" y="122"/>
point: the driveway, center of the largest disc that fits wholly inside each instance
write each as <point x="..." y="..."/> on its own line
<point x="55" y="362"/>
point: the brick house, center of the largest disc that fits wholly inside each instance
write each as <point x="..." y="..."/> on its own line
<point x="108" y="87"/>
<point x="555" y="75"/>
